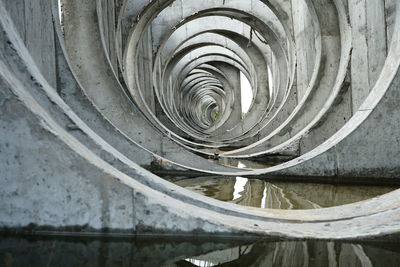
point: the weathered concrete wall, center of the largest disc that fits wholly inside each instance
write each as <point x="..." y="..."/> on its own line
<point x="369" y="46"/>
<point x="46" y="184"/>
<point x="35" y="26"/>
<point x="370" y="151"/>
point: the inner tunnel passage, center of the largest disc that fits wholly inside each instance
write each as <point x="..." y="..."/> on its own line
<point x="105" y="93"/>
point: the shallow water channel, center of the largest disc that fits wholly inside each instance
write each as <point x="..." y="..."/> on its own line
<point x="278" y="195"/>
<point x="68" y="251"/>
<point x="160" y="251"/>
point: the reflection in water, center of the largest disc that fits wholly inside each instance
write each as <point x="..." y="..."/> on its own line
<point x="239" y="187"/>
<point x="245" y="164"/>
<point x="279" y="195"/>
<point x="180" y="253"/>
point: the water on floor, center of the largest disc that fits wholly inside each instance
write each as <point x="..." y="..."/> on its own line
<point x="60" y="252"/>
<point x="278" y="195"/>
<point x="245" y="164"/>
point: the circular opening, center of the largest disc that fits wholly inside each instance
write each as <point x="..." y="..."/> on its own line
<point x="185" y="74"/>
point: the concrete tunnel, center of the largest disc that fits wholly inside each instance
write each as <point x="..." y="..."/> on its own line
<point x="97" y="96"/>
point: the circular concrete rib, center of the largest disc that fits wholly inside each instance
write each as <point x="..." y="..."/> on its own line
<point x="91" y="157"/>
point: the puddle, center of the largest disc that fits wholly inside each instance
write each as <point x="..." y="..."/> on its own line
<point x="60" y="252"/>
<point x="279" y="195"/>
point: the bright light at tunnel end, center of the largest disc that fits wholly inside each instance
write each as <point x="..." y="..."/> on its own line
<point x="246" y="93"/>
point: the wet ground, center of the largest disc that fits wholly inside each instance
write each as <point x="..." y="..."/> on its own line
<point x="66" y="251"/>
<point x="61" y="251"/>
<point x="279" y="195"/>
